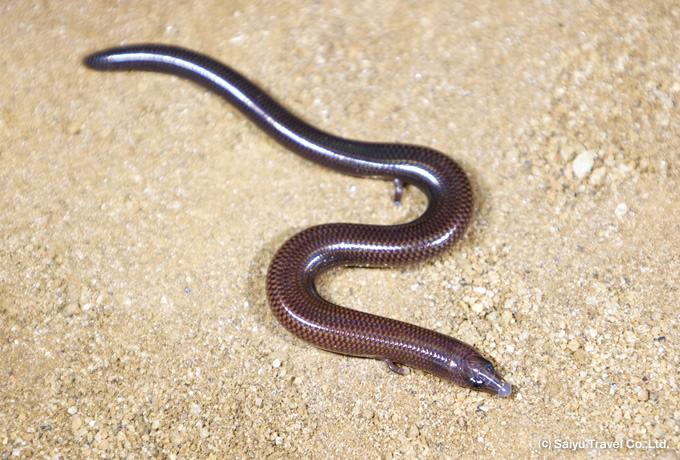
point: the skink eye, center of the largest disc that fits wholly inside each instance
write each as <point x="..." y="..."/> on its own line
<point x="489" y="367"/>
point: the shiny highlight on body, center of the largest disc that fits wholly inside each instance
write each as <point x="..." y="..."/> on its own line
<point x="291" y="290"/>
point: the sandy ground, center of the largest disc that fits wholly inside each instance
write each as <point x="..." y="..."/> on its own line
<point x="138" y="215"/>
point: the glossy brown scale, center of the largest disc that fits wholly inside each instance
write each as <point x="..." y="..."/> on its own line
<point x="291" y="275"/>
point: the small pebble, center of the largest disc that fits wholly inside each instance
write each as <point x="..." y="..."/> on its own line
<point x="70" y="309"/>
<point x="477" y="307"/>
<point x="583" y="163"/>
<point x="573" y="345"/>
<point x="176" y="438"/>
<point x="621" y="210"/>
<point x="598" y="175"/>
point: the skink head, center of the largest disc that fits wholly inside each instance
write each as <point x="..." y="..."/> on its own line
<point x="468" y="368"/>
<point x="482" y="376"/>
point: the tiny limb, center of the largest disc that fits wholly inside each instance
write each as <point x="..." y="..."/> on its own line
<point x="398" y="190"/>
<point x="393" y="367"/>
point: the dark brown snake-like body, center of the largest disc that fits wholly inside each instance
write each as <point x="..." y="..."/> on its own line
<point x="290" y="279"/>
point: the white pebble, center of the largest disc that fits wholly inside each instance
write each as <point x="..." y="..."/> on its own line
<point x="583" y="163"/>
<point x="277" y="363"/>
<point x="621" y="210"/>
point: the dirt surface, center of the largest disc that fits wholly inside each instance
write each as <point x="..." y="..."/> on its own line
<point x="139" y="212"/>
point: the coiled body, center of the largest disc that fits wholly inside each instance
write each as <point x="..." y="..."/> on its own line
<point x="291" y="275"/>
